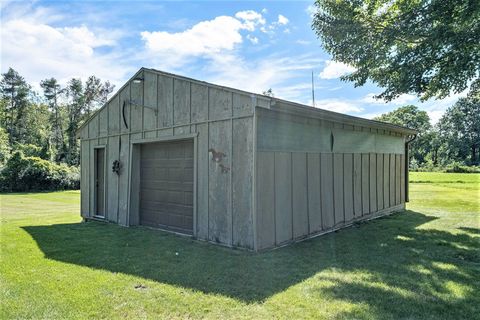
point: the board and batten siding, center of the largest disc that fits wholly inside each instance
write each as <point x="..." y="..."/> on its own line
<point x="221" y="121"/>
<point x="314" y="176"/>
<point x="266" y="173"/>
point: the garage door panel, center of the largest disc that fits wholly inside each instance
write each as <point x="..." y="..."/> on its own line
<point x="165" y="205"/>
<point x="189" y="153"/>
<point x="176" y="197"/>
<point x="188" y="198"/>
<point x="179" y="221"/>
<point x="153" y="220"/>
<point x="176" y="174"/>
<point x="167" y="163"/>
<point x="176" y="151"/>
<point x="166" y="191"/>
<point x="158" y="173"/>
<point x="188" y="172"/>
<point x="165" y="185"/>
<point x="157" y="196"/>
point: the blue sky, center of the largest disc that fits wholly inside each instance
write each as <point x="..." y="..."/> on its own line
<point x="248" y="45"/>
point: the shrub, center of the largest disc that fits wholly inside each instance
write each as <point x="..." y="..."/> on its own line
<point x="4" y="146"/>
<point x="35" y="174"/>
<point x="460" y="168"/>
<point x="31" y="150"/>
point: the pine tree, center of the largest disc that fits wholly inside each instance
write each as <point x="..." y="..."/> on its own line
<point x="16" y="92"/>
<point x="75" y="109"/>
<point x="51" y="92"/>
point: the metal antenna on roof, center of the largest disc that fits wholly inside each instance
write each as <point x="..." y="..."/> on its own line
<point x="313" y="92"/>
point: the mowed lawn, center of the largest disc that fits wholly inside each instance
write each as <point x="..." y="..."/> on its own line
<point x="420" y="264"/>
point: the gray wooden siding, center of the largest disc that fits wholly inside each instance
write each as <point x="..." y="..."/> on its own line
<point x="348" y="186"/>
<point x="313" y="191"/>
<point x="220" y="214"/>
<point x="223" y="122"/>
<point x="326" y="192"/>
<point x="283" y="197"/>
<point x="112" y="179"/>
<point x="242" y="179"/>
<point x="285" y="132"/>
<point x="311" y="175"/>
<point x="338" y="195"/>
<point x="357" y="185"/>
<point x="300" y="218"/>
<point x="265" y="200"/>
<point x="299" y="194"/>
<point x="84" y="181"/>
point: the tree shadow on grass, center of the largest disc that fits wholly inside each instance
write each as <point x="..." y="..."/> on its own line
<point x="408" y="265"/>
<point x="470" y="230"/>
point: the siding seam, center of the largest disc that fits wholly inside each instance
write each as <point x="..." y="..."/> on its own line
<point x="231" y="169"/>
<point x="274" y="200"/>
<point x="308" y="199"/>
<point x="343" y="184"/>
<point x="291" y="194"/>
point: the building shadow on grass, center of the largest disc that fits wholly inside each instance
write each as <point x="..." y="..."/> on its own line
<point x="399" y="263"/>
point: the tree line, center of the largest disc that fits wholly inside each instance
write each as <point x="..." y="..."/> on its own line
<point x="453" y="141"/>
<point x="44" y="124"/>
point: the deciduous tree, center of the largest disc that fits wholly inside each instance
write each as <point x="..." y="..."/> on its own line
<point x="460" y="130"/>
<point x="428" y="48"/>
<point x="410" y="116"/>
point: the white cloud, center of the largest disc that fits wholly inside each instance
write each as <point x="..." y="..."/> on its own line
<point x="303" y="42"/>
<point x="258" y="75"/>
<point x="335" y="88"/>
<point x="370" y="99"/>
<point x="270" y="28"/>
<point x="404" y="99"/>
<point x="282" y="20"/>
<point x="334" y="70"/>
<point x="370" y="115"/>
<point x="251" y="19"/>
<point x="37" y="49"/>
<point x="294" y="91"/>
<point x="436" y="108"/>
<point x="252" y="39"/>
<point x="205" y="39"/>
<point x="337" y="105"/>
<point x="401" y="100"/>
<point x="311" y="10"/>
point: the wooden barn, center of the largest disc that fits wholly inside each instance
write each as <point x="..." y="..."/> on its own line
<point x="235" y="168"/>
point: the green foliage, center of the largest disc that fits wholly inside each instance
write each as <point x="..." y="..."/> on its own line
<point x="453" y="167"/>
<point x="429" y="48"/>
<point x="268" y="93"/>
<point x="32" y="173"/>
<point x="419" y="264"/>
<point x="455" y="139"/>
<point x="460" y="129"/>
<point x="459" y="168"/>
<point x="410" y="116"/>
<point x="30" y="150"/>
<point x="16" y="93"/>
<point x="45" y="127"/>
<point x="51" y="92"/>
<point x="4" y="146"/>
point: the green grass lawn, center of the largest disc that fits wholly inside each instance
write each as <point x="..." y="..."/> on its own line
<point x="420" y="264"/>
